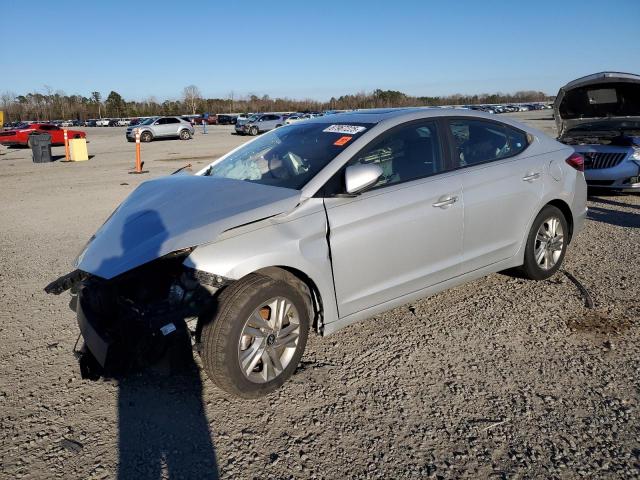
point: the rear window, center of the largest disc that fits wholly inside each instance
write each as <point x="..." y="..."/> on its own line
<point x="289" y="156"/>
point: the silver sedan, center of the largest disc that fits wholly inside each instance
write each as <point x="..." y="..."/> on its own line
<point x="317" y="225"/>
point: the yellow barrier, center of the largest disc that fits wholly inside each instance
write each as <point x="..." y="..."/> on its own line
<point x="78" y="150"/>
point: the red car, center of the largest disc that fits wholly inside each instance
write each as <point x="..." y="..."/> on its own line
<point x="20" y="136"/>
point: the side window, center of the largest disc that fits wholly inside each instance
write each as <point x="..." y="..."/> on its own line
<point x="517" y="140"/>
<point x="406" y="153"/>
<point x="172" y="120"/>
<point x="477" y="141"/>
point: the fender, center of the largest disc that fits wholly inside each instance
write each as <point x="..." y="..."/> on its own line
<point x="296" y="240"/>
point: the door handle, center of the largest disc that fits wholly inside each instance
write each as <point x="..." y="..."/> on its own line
<point x="444" y="202"/>
<point x="530" y="177"/>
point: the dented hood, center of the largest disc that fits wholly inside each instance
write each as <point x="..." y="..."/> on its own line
<point x="604" y="96"/>
<point x="176" y="212"/>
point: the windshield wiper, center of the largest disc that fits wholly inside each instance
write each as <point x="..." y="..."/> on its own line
<point x="188" y="165"/>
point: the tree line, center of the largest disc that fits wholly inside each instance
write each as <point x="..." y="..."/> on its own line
<point x="54" y="105"/>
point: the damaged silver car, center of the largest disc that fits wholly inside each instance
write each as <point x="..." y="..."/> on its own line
<point x="599" y="115"/>
<point x="314" y="226"/>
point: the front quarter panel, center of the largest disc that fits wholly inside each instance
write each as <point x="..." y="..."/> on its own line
<point x="297" y="240"/>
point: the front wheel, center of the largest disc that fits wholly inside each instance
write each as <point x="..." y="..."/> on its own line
<point x="256" y="340"/>
<point x="546" y="244"/>
<point x="253" y="131"/>
<point x="146" y="137"/>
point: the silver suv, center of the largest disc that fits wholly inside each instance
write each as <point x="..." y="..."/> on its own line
<point x="262" y="123"/>
<point x="161" y="127"/>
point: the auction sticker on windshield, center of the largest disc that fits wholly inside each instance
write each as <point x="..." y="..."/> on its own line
<point x="348" y="129"/>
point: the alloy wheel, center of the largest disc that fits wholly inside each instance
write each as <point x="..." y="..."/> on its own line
<point x="549" y="243"/>
<point x="269" y="340"/>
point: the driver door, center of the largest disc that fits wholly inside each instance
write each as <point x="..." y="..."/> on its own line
<point x="405" y="233"/>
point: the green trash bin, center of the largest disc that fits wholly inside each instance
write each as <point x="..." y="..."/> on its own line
<point x="40" y="147"/>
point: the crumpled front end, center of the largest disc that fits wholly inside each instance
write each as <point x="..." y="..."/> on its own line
<point x="130" y="321"/>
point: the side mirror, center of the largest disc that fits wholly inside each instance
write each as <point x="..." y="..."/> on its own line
<point x="359" y="177"/>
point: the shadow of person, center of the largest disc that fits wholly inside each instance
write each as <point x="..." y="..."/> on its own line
<point x="163" y="430"/>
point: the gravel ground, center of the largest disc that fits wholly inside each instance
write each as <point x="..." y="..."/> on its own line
<point x="502" y="377"/>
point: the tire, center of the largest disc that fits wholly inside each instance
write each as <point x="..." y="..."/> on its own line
<point x="253" y="131"/>
<point x="146" y="137"/>
<point x="544" y="267"/>
<point x="225" y="339"/>
<point x="184" y="134"/>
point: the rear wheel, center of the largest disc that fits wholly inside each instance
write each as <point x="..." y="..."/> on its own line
<point x="146" y="137"/>
<point x="184" y="134"/>
<point x="546" y="244"/>
<point x="256" y="340"/>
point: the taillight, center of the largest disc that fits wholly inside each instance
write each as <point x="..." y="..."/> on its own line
<point x="576" y="161"/>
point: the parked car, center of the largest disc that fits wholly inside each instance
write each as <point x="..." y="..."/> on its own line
<point x="262" y="123"/>
<point x="599" y="116"/>
<point x="123" y="122"/>
<point x="103" y="122"/>
<point x="211" y="120"/>
<point x="161" y="127"/>
<point x="317" y="225"/>
<point x="242" y="120"/>
<point x="226" y="119"/>
<point x="22" y="136"/>
<point x="298" y="117"/>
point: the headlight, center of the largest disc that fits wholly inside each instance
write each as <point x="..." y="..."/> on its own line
<point x="636" y="154"/>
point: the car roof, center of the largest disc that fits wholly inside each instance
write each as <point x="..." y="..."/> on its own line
<point x="397" y="115"/>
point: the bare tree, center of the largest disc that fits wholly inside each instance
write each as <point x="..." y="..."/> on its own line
<point x="192" y="97"/>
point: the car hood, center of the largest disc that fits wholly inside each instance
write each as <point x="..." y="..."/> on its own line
<point x="177" y="212"/>
<point x="604" y="96"/>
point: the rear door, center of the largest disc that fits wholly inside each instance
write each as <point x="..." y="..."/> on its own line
<point x="502" y="186"/>
<point x="173" y="126"/>
<point x="404" y="234"/>
<point x="267" y="122"/>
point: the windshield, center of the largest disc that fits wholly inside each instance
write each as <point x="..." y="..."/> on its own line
<point x="148" y="121"/>
<point x="288" y="156"/>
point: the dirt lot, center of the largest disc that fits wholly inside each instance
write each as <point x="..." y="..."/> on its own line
<point x="501" y="378"/>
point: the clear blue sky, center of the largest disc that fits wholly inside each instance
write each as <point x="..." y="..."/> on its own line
<point x="312" y="49"/>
